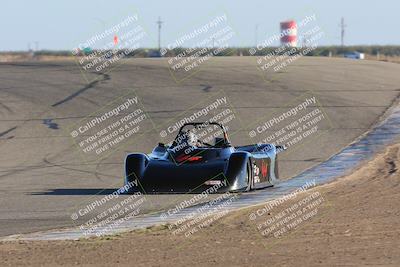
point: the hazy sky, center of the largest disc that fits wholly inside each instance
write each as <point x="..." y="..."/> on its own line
<point x="61" y="24"/>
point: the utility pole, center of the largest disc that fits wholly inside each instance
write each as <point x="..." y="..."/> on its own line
<point x="256" y="35"/>
<point x="306" y="40"/>
<point x="342" y="27"/>
<point x="159" y="22"/>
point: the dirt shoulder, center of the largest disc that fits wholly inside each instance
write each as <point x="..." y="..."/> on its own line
<point x="356" y="222"/>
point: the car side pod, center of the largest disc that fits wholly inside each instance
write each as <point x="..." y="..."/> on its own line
<point x="135" y="165"/>
<point x="238" y="172"/>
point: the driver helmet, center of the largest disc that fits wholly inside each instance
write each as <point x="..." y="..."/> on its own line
<point x="192" y="139"/>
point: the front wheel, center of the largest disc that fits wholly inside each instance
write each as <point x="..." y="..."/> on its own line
<point x="249" y="176"/>
<point x="135" y="165"/>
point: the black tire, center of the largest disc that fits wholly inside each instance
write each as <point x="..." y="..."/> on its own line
<point x="249" y="176"/>
<point x="134" y="168"/>
<point x="239" y="163"/>
<point x="276" y="172"/>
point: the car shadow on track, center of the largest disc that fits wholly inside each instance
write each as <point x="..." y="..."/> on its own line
<point x="76" y="191"/>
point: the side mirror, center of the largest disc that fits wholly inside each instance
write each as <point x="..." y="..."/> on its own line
<point x="280" y="148"/>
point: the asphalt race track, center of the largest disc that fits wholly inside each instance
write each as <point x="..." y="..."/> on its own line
<point x="44" y="180"/>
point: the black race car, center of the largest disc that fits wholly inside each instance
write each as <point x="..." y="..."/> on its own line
<point x="189" y="164"/>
